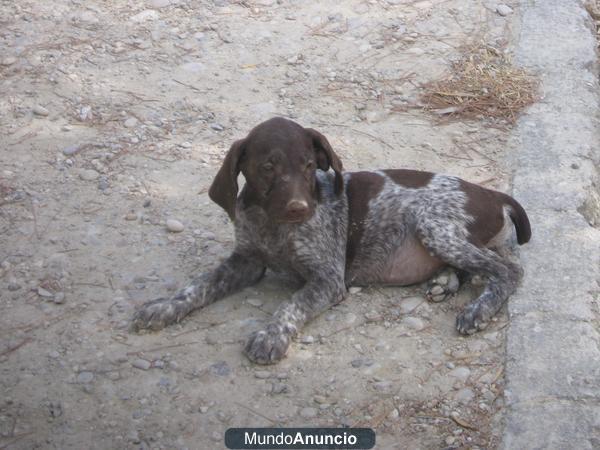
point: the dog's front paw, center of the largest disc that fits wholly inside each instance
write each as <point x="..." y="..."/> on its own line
<point x="157" y="314"/>
<point x="443" y="286"/>
<point x="473" y="318"/>
<point x="267" y="346"/>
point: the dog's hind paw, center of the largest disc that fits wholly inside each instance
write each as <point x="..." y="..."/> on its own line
<point x="472" y="319"/>
<point x="157" y="314"/>
<point x="267" y="346"/>
<point x="443" y="286"/>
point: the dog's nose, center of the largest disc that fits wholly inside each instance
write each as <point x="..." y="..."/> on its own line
<point x="296" y="208"/>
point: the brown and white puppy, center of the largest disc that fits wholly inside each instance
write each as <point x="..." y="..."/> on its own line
<point x="332" y="230"/>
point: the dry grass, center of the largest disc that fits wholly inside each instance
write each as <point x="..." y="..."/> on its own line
<point x="482" y="84"/>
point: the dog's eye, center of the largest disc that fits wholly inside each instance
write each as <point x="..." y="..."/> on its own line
<point x="267" y="167"/>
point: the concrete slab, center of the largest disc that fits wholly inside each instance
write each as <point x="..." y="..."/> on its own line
<point x="553" y="354"/>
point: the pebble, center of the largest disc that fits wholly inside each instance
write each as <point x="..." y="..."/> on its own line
<point x="131" y="216"/>
<point x="59" y="298"/>
<point x="147" y="14"/>
<point x="373" y="316"/>
<point x="355" y="290"/>
<point x="408" y="305"/>
<point x="308" y="339"/>
<point x="71" y="150"/>
<point x="85" y="377"/>
<point x="464" y="396"/>
<point x="130" y="123"/>
<point x="462" y="373"/>
<point x="254" y="302"/>
<point x="220" y="368"/>
<point x="262" y="374"/>
<point x="103" y="183"/>
<point x="40" y="111"/>
<point x="504" y="10"/>
<point x="9" y="61"/>
<point x="160" y="3"/>
<point x="320" y="399"/>
<point x="217" y="126"/>
<point x="450" y="440"/>
<point x="279" y="388"/>
<point x="174" y="226"/>
<point x="85" y="113"/>
<point x="88" y="174"/>
<point x="13" y="286"/>
<point x="308" y="413"/>
<point x="141" y="364"/>
<point x="414" y="323"/>
<point x="44" y="293"/>
<point x="382" y="386"/>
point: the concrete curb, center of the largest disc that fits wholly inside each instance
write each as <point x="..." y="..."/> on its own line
<point x="553" y="345"/>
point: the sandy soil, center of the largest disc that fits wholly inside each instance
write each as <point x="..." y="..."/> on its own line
<point x="115" y="115"/>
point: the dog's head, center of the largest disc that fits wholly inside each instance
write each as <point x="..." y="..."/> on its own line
<point x="279" y="159"/>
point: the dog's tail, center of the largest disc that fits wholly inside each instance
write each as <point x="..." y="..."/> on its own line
<point x="519" y="219"/>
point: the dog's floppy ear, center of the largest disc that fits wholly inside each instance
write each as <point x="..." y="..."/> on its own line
<point x="327" y="158"/>
<point x="224" y="188"/>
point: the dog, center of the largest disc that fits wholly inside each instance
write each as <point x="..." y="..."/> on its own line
<point x="298" y="213"/>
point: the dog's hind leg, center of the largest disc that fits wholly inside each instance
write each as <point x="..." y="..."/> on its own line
<point x="235" y="273"/>
<point x="448" y="241"/>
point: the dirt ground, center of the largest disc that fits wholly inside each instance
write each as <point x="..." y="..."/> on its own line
<point x="114" y="117"/>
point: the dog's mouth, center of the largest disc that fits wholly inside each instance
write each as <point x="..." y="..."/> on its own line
<point x="295" y="218"/>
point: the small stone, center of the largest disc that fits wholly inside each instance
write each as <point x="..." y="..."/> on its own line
<point x="504" y="10"/>
<point x="373" y="316"/>
<point x="220" y="368"/>
<point x="54" y="354"/>
<point x="450" y="440"/>
<point x="394" y="414"/>
<point x="88" y="174"/>
<point x="462" y="373"/>
<point x="382" y="386"/>
<point x="85" y="113"/>
<point x="130" y="123"/>
<point x="59" y="298"/>
<point x="141" y="364"/>
<point x="174" y="226"/>
<point x="574" y="166"/>
<point x="408" y="305"/>
<point x="437" y="290"/>
<point x="308" y="413"/>
<point x="262" y="374"/>
<point x="103" y="183"/>
<point x="40" y="111"/>
<point x="131" y="216"/>
<point x="9" y="61"/>
<point x="44" y="293"/>
<point x="414" y="323"/>
<point x="13" y="286"/>
<point x="85" y="377"/>
<point x="255" y="302"/>
<point x="320" y="399"/>
<point x="147" y="14"/>
<point x="356" y="363"/>
<point x="71" y="150"/>
<point x="355" y="290"/>
<point x="217" y="126"/>
<point x="416" y="51"/>
<point x="279" y="388"/>
<point x="308" y="339"/>
<point x="464" y="395"/>
<point x="160" y="3"/>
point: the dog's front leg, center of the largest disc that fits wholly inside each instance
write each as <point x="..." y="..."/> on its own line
<point x="270" y="344"/>
<point x="235" y="273"/>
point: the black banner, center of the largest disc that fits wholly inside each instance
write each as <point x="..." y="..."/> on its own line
<point x="299" y="438"/>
